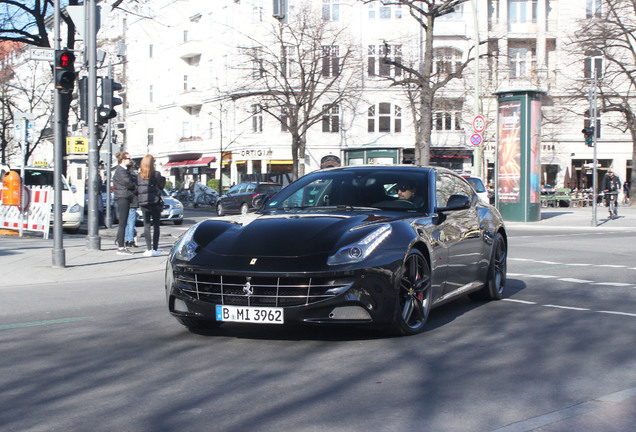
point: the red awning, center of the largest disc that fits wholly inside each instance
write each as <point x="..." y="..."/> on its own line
<point x="204" y="161"/>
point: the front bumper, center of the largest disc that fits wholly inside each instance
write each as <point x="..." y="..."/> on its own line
<point x="361" y="297"/>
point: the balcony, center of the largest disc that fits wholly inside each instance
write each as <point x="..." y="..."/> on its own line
<point x="190" y="98"/>
<point x="190" y="49"/>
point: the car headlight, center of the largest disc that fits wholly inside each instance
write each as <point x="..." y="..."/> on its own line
<point x="186" y="247"/>
<point x="361" y="249"/>
<point x="75" y="208"/>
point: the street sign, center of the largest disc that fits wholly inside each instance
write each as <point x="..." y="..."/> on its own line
<point x="479" y="124"/>
<point x="476" y="139"/>
<point x="46" y="54"/>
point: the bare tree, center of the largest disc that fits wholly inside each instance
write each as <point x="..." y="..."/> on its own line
<point x="612" y="35"/>
<point x="418" y="78"/>
<point x="303" y="72"/>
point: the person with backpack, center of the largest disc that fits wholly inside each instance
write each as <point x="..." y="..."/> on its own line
<point x="150" y="183"/>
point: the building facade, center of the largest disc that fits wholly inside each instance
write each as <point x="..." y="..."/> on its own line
<point x="182" y="64"/>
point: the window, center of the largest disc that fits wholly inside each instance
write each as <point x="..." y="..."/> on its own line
<point x="257" y="118"/>
<point x="331" y="10"/>
<point x="331" y="118"/>
<point x="185" y="130"/>
<point x="284" y="120"/>
<point x="257" y="11"/>
<point x="447" y="185"/>
<point x="523" y="62"/>
<point x="377" y="56"/>
<point x="185" y="36"/>
<point x="522" y="11"/>
<point x="383" y="116"/>
<point x="446" y="60"/>
<point x="448" y="119"/>
<point x="594" y="8"/>
<point x="385" y="11"/>
<point x="330" y="61"/>
<point x="456" y="15"/>
<point x="150" y="136"/>
<point x="593" y="62"/>
<point x="255" y="56"/>
<point x="185" y="83"/>
<point x="150" y="94"/>
<point x="288" y="61"/>
<point x="150" y="48"/>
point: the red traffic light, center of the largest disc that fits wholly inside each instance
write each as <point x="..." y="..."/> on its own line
<point x="65" y="60"/>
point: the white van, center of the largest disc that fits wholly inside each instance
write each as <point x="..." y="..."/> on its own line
<point x="72" y="215"/>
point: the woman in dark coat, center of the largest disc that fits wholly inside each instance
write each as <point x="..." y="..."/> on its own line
<point x="124" y="190"/>
<point x="149" y="186"/>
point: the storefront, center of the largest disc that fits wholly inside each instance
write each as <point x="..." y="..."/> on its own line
<point x="182" y="169"/>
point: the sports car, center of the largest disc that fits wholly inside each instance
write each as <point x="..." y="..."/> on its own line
<point x="361" y="245"/>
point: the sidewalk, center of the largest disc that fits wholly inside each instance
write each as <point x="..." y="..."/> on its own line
<point x="566" y="218"/>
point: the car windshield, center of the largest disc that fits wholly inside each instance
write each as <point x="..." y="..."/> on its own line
<point x="353" y="189"/>
<point x="476" y="183"/>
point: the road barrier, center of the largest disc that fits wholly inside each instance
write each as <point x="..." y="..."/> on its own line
<point x="37" y="215"/>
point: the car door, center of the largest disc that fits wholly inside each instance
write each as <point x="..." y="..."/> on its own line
<point x="460" y="231"/>
<point x="230" y="200"/>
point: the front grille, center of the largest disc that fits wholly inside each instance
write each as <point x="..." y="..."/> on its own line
<point x="259" y="290"/>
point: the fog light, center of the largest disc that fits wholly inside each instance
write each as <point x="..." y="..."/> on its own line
<point x="180" y="306"/>
<point x="350" y="313"/>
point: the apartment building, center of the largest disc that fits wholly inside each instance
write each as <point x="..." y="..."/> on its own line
<point x="183" y="63"/>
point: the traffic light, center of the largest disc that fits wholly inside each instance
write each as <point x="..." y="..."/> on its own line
<point x="106" y="110"/>
<point x="588" y="135"/>
<point x="64" y="70"/>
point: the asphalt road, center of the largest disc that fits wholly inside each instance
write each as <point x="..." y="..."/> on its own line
<point x="104" y="354"/>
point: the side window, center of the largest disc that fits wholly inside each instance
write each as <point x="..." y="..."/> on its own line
<point x="447" y="185"/>
<point x="250" y="187"/>
<point x="234" y="189"/>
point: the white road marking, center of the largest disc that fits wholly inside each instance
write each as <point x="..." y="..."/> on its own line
<point x="566" y="307"/>
<point x="580" y="281"/>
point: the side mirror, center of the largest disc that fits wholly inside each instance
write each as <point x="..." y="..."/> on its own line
<point x="259" y="200"/>
<point x="456" y="202"/>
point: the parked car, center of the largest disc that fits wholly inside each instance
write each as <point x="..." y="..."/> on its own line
<point x="339" y="246"/>
<point x="239" y="198"/>
<point x="479" y="187"/>
<point x="172" y="210"/>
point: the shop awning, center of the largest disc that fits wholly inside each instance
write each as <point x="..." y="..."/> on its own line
<point x="204" y="161"/>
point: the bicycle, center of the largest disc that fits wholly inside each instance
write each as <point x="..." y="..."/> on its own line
<point x="610" y="198"/>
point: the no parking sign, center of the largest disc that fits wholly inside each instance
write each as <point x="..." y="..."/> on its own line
<point x="476" y="139"/>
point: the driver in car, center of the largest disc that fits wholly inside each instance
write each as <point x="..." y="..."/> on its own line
<point x="407" y="191"/>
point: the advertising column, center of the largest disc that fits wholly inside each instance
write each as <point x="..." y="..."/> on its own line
<point x="518" y="167"/>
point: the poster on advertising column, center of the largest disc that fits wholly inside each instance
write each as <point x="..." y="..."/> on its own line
<point x="535" y="151"/>
<point x="509" y="154"/>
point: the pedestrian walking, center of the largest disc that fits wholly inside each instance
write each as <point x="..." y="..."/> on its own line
<point x="611" y="187"/>
<point x="149" y="185"/>
<point x="626" y="192"/>
<point x="131" y="231"/>
<point x="124" y="190"/>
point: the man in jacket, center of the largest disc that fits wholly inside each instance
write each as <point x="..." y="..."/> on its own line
<point x="124" y="189"/>
<point x="611" y="187"/>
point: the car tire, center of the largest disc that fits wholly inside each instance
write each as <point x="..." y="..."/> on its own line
<point x="198" y="324"/>
<point x="178" y="222"/>
<point x="244" y="208"/>
<point x="413" y="302"/>
<point x="496" y="281"/>
<point x="220" y="209"/>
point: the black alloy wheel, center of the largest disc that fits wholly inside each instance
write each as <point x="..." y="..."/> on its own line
<point x="496" y="281"/>
<point x="413" y="296"/>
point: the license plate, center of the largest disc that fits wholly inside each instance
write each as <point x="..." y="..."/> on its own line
<point x="250" y="314"/>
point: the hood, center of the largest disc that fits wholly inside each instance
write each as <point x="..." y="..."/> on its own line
<point x="292" y="235"/>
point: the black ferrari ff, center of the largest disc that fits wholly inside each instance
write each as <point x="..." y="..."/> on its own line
<point x="359" y="245"/>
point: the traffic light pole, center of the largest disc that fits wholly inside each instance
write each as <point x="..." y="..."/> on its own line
<point x="594" y="141"/>
<point x="93" y="241"/>
<point x="58" y="254"/>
